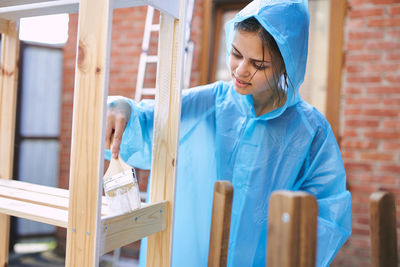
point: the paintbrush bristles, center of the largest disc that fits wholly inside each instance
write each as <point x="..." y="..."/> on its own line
<point x="121" y="187"/>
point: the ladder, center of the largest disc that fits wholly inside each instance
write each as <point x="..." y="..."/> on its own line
<point x="91" y="232"/>
<point x="145" y="58"/>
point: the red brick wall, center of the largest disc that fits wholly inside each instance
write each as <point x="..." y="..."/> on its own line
<point x="127" y="35"/>
<point x="370" y="114"/>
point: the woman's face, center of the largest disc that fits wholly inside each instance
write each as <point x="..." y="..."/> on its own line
<point x="251" y="71"/>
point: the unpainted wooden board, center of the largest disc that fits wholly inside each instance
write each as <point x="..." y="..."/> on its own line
<point x="292" y="229"/>
<point x="382" y="210"/>
<point x="8" y="102"/>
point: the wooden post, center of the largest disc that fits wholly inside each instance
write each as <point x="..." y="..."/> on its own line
<point x="91" y="82"/>
<point x="292" y="229"/>
<point x="338" y="9"/>
<point x="166" y="130"/>
<point x="8" y="103"/>
<point x="382" y="209"/>
<point x="220" y="224"/>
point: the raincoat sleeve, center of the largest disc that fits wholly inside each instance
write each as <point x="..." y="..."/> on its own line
<point x="136" y="144"/>
<point x="327" y="182"/>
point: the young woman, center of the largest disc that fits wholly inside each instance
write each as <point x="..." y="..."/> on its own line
<point x="254" y="131"/>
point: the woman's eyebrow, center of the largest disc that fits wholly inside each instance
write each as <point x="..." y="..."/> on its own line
<point x="252" y="59"/>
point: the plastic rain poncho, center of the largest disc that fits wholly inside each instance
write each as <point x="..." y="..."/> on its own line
<point x="221" y="138"/>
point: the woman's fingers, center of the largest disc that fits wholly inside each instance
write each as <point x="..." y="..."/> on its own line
<point x="120" y="123"/>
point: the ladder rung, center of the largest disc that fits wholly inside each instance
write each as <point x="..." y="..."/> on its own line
<point x="24" y="8"/>
<point x="148" y="91"/>
<point x="155" y="27"/>
<point x="152" y="59"/>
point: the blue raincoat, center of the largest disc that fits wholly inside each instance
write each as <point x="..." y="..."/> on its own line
<point x="221" y="138"/>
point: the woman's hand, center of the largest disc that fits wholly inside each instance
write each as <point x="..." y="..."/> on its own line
<point x="118" y="114"/>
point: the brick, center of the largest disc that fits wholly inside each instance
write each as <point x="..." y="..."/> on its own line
<point x="352" y="90"/>
<point x="392" y="124"/>
<point x="381" y="112"/>
<point x="359" y="145"/>
<point x="354" y="68"/>
<point x="393" y="56"/>
<point x="391" y="101"/>
<point x="363" y="79"/>
<point x="351" y="111"/>
<point x="366" y="12"/>
<point x="362" y="101"/>
<point x="375" y="156"/>
<point x="363" y="57"/>
<point x="365" y="35"/>
<point x="394" y="10"/>
<point x="354" y="46"/>
<point x="382" y="135"/>
<point x="384" y="90"/>
<point x="356" y="166"/>
<point x="383" y="45"/>
<point x="383" y="67"/>
<point x="361" y="123"/>
<point x="383" y="2"/>
<point x="381" y="179"/>
<point x="349" y="133"/>
<point x="391" y="145"/>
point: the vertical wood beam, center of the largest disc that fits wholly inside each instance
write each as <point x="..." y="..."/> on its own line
<point x="86" y="171"/>
<point x="8" y="103"/>
<point x="382" y="210"/>
<point x="166" y="130"/>
<point x="220" y="224"/>
<point x="292" y="229"/>
<point x="338" y="9"/>
<point x="205" y="42"/>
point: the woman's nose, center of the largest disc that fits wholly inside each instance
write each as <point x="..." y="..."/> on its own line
<point x="242" y="68"/>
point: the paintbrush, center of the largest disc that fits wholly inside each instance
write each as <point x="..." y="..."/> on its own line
<point x="121" y="187"/>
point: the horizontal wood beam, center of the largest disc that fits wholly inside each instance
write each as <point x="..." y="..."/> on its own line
<point x="117" y="231"/>
<point x="35" y="212"/>
<point x="25" y="8"/>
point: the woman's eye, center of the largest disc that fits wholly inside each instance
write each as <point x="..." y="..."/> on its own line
<point x="259" y="66"/>
<point x="235" y="54"/>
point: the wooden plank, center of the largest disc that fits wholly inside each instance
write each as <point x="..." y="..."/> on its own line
<point x="5" y="3"/>
<point x="166" y="130"/>
<point x="338" y="10"/>
<point x="121" y="230"/>
<point x="44" y="190"/>
<point x="34" y="212"/>
<point x="205" y="42"/>
<point x="383" y="230"/>
<point x="8" y="103"/>
<point x="39" y="9"/>
<point x="220" y="224"/>
<point x="292" y="229"/>
<point x="52" y="191"/>
<point x="3" y="25"/>
<point x="88" y="132"/>
<point x="27" y="8"/>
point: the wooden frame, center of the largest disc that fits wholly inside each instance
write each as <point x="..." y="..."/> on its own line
<point x="90" y="232"/>
<point x="8" y="101"/>
<point x="338" y="9"/>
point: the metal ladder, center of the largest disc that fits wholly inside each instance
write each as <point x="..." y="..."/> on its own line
<point x="145" y="58"/>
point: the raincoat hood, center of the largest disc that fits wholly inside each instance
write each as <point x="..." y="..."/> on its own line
<point x="288" y="22"/>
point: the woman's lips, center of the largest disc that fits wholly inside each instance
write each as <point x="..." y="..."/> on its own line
<point x="241" y="84"/>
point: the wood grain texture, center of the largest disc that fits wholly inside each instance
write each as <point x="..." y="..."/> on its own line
<point x="86" y="171"/>
<point x="382" y="210"/>
<point x="121" y="230"/>
<point x="8" y="102"/>
<point x="338" y="9"/>
<point x="18" y="9"/>
<point x="292" y="229"/>
<point x="166" y="130"/>
<point x="220" y="224"/>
